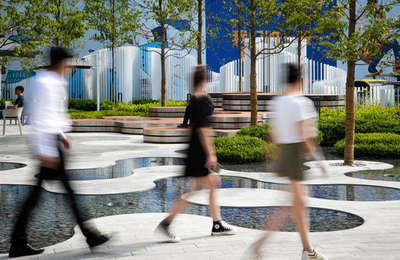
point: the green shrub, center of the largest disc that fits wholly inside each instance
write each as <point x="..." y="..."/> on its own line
<point x="145" y="101"/>
<point x="143" y="108"/>
<point x="107" y="105"/>
<point x="75" y="114"/>
<point x="242" y="149"/>
<point x="176" y="103"/>
<point x="82" y="104"/>
<point x="261" y="131"/>
<point x="373" y="119"/>
<point x="2" y="103"/>
<point x="377" y="145"/>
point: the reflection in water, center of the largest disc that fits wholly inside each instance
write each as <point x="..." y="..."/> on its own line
<point x="122" y="168"/>
<point x="382" y="175"/>
<point x="10" y="166"/>
<point x="52" y="220"/>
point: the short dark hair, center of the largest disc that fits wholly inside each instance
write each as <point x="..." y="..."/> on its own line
<point x="293" y="73"/>
<point x="58" y="54"/>
<point x="199" y="75"/>
<point x="21" y="88"/>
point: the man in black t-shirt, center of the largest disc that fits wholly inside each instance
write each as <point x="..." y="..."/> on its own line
<point x="20" y="98"/>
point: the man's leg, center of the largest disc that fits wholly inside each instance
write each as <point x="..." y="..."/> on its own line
<point x="19" y="234"/>
<point x="19" y="240"/>
<point x="92" y="237"/>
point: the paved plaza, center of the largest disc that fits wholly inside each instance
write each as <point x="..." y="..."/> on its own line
<point x="132" y="234"/>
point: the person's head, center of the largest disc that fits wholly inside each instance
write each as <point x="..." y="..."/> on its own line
<point x="58" y="58"/>
<point x="19" y="90"/>
<point x="293" y="76"/>
<point x="199" y="76"/>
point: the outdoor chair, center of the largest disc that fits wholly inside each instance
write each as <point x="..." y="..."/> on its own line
<point x="12" y="113"/>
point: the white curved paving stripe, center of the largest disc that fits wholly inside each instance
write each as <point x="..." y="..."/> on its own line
<point x="133" y="238"/>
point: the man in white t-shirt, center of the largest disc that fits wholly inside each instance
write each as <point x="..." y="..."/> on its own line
<point x="294" y="133"/>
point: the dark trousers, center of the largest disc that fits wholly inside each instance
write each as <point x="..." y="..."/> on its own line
<point x="19" y="235"/>
<point x="187" y="114"/>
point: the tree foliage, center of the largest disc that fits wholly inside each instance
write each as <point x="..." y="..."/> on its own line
<point x="356" y="29"/>
<point x="115" y="24"/>
<point x="38" y="24"/>
<point x="164" y="15"/>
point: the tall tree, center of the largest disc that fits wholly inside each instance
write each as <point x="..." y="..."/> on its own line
<point x="158" y="16"/>
<point x="357" y="28"/>
<point x="115" y="23"/>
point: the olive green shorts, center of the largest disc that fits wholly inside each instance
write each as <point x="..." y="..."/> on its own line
<point x="290" y="161"/>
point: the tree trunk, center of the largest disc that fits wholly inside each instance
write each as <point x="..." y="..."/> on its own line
<point x="163" y="40"/>
<point x="112" y="52"/>
<point x="57" y="17"/>
<point x="240" y="45"/>
<point x="299" y="50"/>
<point x="200" y="31"/>
<point x="253" y="58"/>
<point x="350" y="109"/>
<point x="112" y="73"/>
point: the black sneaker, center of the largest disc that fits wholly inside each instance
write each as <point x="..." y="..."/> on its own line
<point x="221" y="228"/>
<point x="96" y="240"/>
<point x="164" y="229"/>
<point x="18" y="250"/>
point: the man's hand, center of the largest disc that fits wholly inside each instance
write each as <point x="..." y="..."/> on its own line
<point x="67" y="143"/>
<point x="211" y="162"/>
<point x="49" y="162"/>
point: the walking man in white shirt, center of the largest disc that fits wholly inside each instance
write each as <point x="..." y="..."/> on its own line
<point x="292" y="131"/>
<point x="49" y="121"/>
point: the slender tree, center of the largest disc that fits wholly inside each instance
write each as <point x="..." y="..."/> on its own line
<point x="199" y="31"/>
<point x="162" y="15"/>
<point x="115" y="23"/>
<point x="254" y="20"/>
<point x="262" y="12"/>
<point x="355" y="30"/>
<point x="299" y="18"/>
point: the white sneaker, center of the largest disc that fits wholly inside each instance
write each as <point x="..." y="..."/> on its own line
<point x="313" y="256"/>
<point x="166" y="231"/>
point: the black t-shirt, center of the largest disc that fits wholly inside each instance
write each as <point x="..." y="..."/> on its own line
<point x="201" y="108"/>
<point x="20" y="101"/>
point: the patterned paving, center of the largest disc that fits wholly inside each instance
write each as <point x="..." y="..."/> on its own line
<point x="133" y="236"/>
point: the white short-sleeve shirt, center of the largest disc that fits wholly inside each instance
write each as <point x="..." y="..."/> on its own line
<point x="288" y="111"/>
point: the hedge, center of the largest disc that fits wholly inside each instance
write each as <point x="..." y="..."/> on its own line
<point x="243" y="149"/>
<point x="119" y="109"/>
<point x="77" y="114"/>
<point x="82" y="104"/>
<point x="377" y="145"/>
<point x="373" y="119"/>
<point x="261" y="131"/>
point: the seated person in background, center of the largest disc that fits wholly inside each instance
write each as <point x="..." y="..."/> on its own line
<point x="20" y="98"/>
